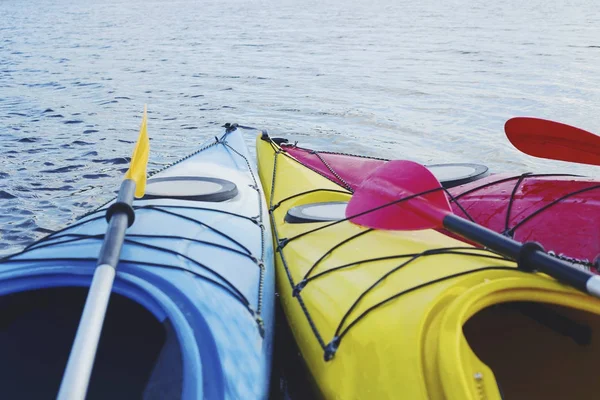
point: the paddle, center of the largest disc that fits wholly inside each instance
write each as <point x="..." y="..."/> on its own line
<point x="404" y="195"/>
<point x="547" y="139"/>
<point x="120" y="216"/>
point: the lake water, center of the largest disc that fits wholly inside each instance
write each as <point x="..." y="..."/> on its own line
<point x="429" y="81"/>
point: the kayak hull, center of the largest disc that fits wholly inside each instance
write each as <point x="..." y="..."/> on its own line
<point x="389" y="314"/>
<point x="200" y="268"/>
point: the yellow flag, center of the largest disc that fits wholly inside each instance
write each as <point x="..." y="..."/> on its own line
<point x="139" y="160"/>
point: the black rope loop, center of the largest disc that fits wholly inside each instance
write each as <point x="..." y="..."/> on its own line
<point x="281" y="243"/>
<point x="261" y="325"/>
<point x="452" y="199"/>
<point x="331" y="348"/>
<point x="298" y="288"/>
<point x="509" y="232"/>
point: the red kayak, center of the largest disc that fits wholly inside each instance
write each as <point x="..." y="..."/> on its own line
<point x="559" y="211"/>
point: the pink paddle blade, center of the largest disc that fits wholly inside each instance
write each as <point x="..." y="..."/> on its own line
<point x="554" y="140"/>
<point x="425" y="206"/>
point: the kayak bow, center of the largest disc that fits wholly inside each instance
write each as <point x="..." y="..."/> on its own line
<point x="191" y="311"/>
<point x="417" y="314"/>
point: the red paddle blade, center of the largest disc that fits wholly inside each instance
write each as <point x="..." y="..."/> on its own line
<point x="425" y="206"/>
<point x="553" y="140"/>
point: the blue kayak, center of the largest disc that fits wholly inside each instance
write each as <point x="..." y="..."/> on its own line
<point x="191" y="314"/>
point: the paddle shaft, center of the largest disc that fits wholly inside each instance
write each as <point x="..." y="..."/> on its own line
<point x="81" y="360"/>
<point x="533" y="260"/>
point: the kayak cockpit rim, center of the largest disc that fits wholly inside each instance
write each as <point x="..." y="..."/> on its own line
<point x="494" y="333"/>
<point x="138" y="291"/>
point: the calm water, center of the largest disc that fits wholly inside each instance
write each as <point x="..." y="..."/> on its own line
<point x="429" y="81"/>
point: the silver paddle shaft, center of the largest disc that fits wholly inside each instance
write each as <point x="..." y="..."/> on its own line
<point x="81" y="361"/>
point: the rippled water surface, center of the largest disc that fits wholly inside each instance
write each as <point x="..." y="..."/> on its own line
<point x="429" y="81"/>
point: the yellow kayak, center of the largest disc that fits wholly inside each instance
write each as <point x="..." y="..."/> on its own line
<point x="417" y="315"/>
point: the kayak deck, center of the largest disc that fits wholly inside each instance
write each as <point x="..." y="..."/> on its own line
<point x="526" y="207"/>
<point x="196" y="265"/>
<point x="417" y="314"/>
